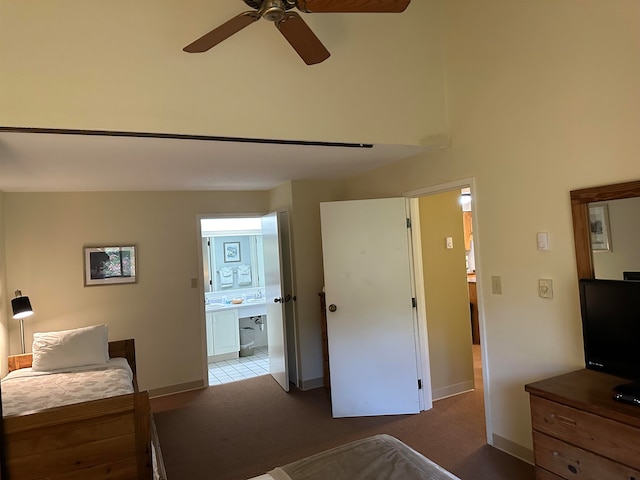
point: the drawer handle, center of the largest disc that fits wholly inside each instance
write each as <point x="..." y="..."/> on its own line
<point x="565" y="420"/>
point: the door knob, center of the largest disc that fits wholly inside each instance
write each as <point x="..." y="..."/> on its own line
<point x="278" y="300"/>
<point x="332" y="308"/>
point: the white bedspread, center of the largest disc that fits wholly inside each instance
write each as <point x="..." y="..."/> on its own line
<point x="25" y="391"/>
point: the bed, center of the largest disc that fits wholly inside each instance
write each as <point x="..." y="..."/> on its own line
<point x="371" y="458"/>
<point x="59" y="435"/>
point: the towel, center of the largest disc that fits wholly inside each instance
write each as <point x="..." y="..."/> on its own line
<point x="226" y="277"/>
<point x="244" y="275"/>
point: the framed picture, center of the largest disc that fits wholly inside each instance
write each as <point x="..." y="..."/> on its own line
<point x="599" y="227"/>
<point x="231" y="251"/>
<point x="109" y="265"/>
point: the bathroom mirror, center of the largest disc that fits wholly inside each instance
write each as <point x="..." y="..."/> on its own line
<point x="232" y="254"/>
<point x="621" y="226"/>
<point x="234" y="262"/>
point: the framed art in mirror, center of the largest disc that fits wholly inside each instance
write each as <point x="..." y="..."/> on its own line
<point x="109" y="265"/>
<point x="231" y="252"/>
<point x="599" y="227"/>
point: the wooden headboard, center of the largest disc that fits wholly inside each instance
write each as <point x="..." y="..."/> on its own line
<point x="118" y="348"/>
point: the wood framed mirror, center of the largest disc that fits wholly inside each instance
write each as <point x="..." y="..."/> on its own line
<point x="580" y="200"/>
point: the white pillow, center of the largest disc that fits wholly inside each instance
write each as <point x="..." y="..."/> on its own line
<point x="70" y="348"/>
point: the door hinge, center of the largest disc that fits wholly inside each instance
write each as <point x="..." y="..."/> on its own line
<point x="419" y="384"/>
<point x="408" y="223"/>
<point x="414" y="303"/>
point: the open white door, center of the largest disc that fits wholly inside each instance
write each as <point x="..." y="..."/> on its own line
<point x="274" y="297"/>
<point x="371" y="322"/>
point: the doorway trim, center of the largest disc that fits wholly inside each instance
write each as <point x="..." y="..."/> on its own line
<point x="201" y="280"/>
<point x="413" y="195"/>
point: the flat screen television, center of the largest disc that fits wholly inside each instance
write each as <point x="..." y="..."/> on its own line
<point x="611" y="326"/>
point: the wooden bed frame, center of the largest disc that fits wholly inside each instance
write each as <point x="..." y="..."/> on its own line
<point x="100" y="439"/>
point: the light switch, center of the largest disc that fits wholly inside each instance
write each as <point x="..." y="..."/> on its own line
<point x="449" y="243"/>
<point x="543" y="241"/>
<point x="496" y="285"/>
<point x="545" y="288"/>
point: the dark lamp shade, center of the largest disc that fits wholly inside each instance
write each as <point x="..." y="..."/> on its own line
<point x="21" y="307"/>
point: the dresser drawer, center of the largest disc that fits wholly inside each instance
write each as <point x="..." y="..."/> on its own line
<point x="542" y="474"/>
<point x="605" y="437"/>
<point x="570" y="462"/>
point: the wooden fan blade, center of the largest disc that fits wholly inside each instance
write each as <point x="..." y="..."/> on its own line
<point x="224" y="31"/>
<point x="302" y="39"/>
<point x="354" y="6"/>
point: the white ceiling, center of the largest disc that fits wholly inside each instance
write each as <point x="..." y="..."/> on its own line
<point x="74" y="161"/>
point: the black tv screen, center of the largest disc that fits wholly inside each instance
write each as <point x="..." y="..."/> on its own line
<point x="611" y="326"/>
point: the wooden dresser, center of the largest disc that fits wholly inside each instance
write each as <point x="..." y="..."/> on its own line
<point x="580" y="432"/>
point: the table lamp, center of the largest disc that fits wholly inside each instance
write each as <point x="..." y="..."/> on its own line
<point x="21" y="308"/>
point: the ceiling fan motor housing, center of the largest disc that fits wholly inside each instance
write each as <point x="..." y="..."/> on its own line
<point x="272" y="10"/>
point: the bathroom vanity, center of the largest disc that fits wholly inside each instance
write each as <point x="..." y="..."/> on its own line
<point x="223" y="326"/>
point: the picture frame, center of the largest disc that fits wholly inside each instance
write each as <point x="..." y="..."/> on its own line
<point x="231" y="252"/>
<point x="599" y="227"/>
<point x="109" y="265"/>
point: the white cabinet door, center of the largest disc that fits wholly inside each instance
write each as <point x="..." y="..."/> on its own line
<point x="226" y="332"/>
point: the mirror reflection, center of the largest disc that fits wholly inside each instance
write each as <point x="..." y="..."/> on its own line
<point x="232" y="253"/>
<point x="615" y="230"/>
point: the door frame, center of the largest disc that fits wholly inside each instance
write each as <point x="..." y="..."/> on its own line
<point x="200" y="281"/>
<point x="413" y="195"/>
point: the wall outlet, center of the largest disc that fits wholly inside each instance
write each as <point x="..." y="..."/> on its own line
<point x="545" y="288"/>
<point x="496" y="285"/>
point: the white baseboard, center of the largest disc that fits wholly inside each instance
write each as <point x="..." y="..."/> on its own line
<point x="451" y="390"/>
<point x="182" y="387"/>
<point x="311" y="384"/>
<point x="512" y="448"/>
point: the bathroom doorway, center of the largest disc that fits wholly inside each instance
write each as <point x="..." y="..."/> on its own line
<point x="239" y="263"/>
<point x="234" y="298"/>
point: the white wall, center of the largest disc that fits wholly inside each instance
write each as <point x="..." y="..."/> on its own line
<point x="120" y="66"/>
<point x="543" y="99"/>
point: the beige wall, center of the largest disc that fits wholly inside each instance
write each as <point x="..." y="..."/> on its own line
<point x="5" y="296"/>
<point x="446" y="294"/>
<point x="45" y="233"/>
<point x="120" y="66"/>
<point x="543" y="99"/>
<point x="307" y="247"/>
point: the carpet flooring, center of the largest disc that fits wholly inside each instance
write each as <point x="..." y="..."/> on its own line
<point x="243" y="429"/>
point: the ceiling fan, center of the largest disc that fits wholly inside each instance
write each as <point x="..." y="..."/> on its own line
<point x="291" y="25"/>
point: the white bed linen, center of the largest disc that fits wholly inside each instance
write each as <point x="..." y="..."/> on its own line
<point x="26" y="391"/>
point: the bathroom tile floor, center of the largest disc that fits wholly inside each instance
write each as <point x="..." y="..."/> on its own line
<point x="228" y="371"/>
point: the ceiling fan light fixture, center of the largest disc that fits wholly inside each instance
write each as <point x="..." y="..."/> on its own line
<point x="273" y="10"/>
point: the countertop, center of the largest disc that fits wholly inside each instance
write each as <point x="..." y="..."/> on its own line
<point x="258" y="303"/>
